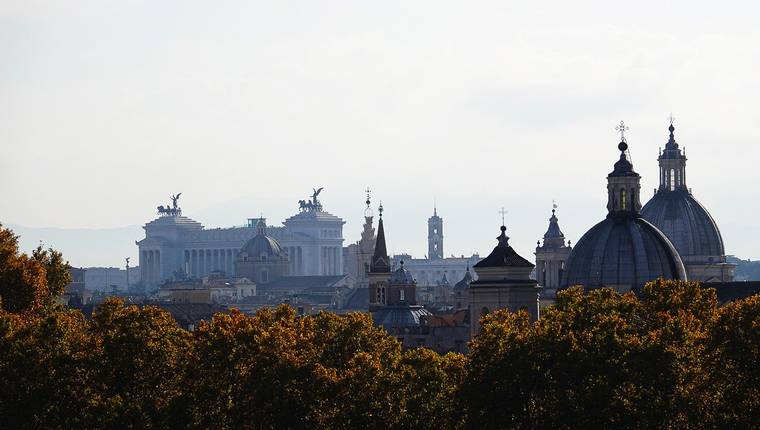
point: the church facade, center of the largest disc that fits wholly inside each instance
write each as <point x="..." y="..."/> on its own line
<point x="175" y="245"/>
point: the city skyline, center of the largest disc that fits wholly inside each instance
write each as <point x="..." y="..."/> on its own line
<point x="477" y="108"/>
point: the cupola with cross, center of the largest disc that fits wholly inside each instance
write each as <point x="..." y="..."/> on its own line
<point x="504" y="282"/>
<point x="672" y="164"/>
<point x="623" y="183"/>
<point x="623" y="251"/>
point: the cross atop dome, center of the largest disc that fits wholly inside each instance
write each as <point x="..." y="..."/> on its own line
<point x="622" y="128"/>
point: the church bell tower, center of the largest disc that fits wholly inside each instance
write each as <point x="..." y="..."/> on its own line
<point x="379" y="269"/>
<point x="551" y="258"/>
<point x="435" y="236"/>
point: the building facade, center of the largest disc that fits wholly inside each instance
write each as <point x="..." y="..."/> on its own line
<point x="110" y="279"/>
<point x="176" y="246"/>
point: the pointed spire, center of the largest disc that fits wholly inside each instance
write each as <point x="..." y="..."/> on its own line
<point x="553" y="231"/>
<point x="671" y="148"/>
<point x="380" y="260"/>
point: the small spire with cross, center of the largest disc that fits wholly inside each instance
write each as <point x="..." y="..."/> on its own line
<point x="671" y="118"/>
<point x="622" y="128"/>
<point x="503" y="212"/>
<point x="368" y="211"/>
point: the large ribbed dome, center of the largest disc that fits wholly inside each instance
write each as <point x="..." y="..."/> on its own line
<point x="686" y="223"/>
<point x="623" y="253"/>
<point x="679" y="215"/>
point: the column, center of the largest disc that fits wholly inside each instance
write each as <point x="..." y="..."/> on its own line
<point x="194" y="262"/>
<point x="144" y="266"/>
<point x="159" y="277"/>
<point x="201" y="262"/>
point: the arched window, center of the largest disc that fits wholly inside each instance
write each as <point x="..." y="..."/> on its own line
<point x="264" y="276"/>
<point x="672" y="179"/>
<point x="623" y="202"/>
<point x="401" y="294"/>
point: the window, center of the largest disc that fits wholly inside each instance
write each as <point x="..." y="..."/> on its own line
<point x="401" y="295"/>
<point x="623" y="202"/>
<point x="672" y="179"/>
<point x="264" y="276"/>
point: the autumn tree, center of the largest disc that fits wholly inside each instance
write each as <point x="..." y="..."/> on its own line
<point x="57" y="274"/>
<point x="45" y="369"/>
<point x="733" y="357"/>
<point x="430" y="382"/>
<point x="29" y="282"/>
<point x="596" y="359"/>
<point x="278" y="370"/>
<point x="137" y="366"/>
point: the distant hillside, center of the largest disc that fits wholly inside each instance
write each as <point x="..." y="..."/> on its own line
<point x="746" y="270"/>
<point x="85" y="247"/>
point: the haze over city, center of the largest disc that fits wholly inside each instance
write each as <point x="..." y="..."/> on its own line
<point x="107" y="108"/>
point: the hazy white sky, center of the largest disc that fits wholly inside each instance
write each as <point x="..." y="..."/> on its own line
<point x="107" y="107"/>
